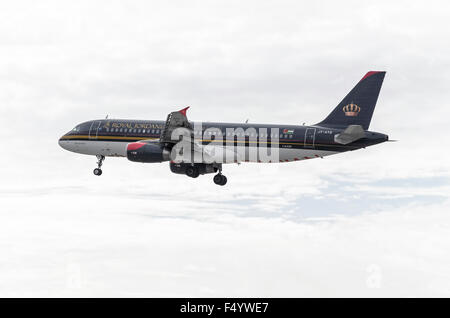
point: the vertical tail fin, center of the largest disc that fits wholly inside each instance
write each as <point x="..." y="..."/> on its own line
<point x="357" y="107"/>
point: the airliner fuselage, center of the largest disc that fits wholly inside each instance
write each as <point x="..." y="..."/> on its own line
<point x="196" y="148"/>
<point x="110" y="137"/>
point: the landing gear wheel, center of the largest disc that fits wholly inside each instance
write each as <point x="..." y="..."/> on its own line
<point x="98" y="171"/>
<point x="192" y="172"/>
<point x="220" y="179"/>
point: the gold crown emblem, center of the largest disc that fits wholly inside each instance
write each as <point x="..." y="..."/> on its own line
<point x="351" y="109"/>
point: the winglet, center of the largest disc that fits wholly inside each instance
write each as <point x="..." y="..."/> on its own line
<point x="184" y="110"/>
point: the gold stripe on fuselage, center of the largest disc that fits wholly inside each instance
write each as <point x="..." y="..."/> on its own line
<point x="86" y="137"/>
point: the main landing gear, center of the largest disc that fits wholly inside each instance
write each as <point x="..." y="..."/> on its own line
<point x="192" y="171"/>
<point x="220" y="179"/>
<point x="100" y="159"/>
<point x="195" y="170"/>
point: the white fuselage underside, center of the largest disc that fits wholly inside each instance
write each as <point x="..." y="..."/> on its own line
<point x="119" y="149"/>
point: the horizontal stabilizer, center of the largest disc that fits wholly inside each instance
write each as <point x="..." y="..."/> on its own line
<point x="350" y="134"/>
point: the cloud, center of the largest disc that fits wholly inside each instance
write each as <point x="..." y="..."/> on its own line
<point x="121" y="246"/>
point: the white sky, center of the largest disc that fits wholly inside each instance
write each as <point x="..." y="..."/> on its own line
<point x="374" y="222"/>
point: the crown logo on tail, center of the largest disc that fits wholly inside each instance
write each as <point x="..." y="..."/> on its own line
<point x="351" y="110"/>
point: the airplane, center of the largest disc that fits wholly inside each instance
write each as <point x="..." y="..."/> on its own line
<point x="198" y="148"/>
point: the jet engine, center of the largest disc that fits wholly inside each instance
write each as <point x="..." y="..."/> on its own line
<point x="147" y="152"/>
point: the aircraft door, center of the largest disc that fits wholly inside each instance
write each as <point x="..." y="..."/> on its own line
<point x="93" y="131"/>
<point x="310" y="136"/>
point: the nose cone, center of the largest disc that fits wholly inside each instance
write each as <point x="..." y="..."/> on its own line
<point x="63" y="143"/>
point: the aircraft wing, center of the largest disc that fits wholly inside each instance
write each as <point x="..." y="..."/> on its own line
<point x="175" y="120"/>
<point x="350" y="134"/>
<point x="185" y="148"/>
<point x="192" y="151"/>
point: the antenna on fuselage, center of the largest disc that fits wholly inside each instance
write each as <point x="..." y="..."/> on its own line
<point x="106" y="117"/>
<point x="246" y="121"/>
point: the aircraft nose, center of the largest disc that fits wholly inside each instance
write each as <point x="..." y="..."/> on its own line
<point x="62" y="143"/>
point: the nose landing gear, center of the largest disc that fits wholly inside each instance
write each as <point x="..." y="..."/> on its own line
<point x="98" y="171"/>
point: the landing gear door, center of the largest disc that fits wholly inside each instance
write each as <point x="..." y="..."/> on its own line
<point x="93" y="131"/>
<point x="310" y="137"/>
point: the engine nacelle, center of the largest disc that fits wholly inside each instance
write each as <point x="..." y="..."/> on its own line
<point x="203" y="168"/>
<point x="147" y="152"/>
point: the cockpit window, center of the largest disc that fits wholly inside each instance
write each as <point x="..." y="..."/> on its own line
<point x="82" y="128"/>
